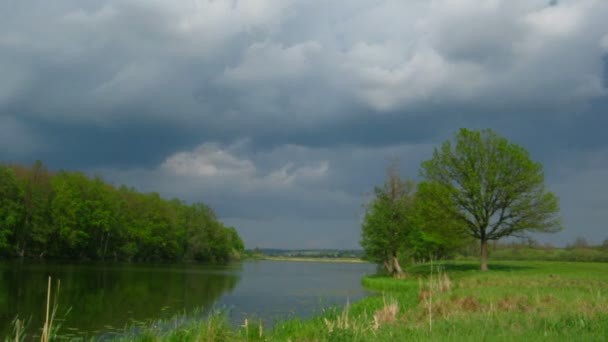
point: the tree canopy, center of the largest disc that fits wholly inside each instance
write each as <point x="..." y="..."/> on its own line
<point x="489" y="186"/>
<point x="438" y="235"/>
<point x="11" y="208"/>
<point x="388" y="221"/>
<point x="71" y="215"/>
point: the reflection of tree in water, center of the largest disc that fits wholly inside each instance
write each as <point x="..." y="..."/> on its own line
<point x="111" y="295"/>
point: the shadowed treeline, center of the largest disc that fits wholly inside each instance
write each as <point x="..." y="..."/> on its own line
<point x="70" y="215"/>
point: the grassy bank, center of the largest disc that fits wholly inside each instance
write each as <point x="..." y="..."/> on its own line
<point x="587" y="254"/>
<point x="451" y="301"/>
<point x="311" y="259"/>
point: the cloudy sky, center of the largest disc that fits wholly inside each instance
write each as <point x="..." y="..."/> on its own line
<point x="283" y="114"/>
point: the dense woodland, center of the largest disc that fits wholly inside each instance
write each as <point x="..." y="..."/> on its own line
<point x="70" y="215"/>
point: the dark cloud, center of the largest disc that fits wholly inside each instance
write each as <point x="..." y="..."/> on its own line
<point x="605" y="60"/>
<point x="283" y="115"/>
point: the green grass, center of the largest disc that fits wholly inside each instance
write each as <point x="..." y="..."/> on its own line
<point x="450" y="301"/>
<point x="589" y="254"/>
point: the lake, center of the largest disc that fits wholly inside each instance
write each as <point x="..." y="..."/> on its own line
<point x="101" y="299"/>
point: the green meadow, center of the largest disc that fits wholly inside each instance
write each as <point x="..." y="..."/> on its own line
<point x="442" y="301"/>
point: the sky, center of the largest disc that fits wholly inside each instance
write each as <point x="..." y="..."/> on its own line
<point x="282" y="115"/>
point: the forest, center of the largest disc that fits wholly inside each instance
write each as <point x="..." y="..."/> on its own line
<point x="69" y="215"/>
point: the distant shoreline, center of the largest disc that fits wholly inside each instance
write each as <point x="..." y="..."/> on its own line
<point x="309" y="259"/>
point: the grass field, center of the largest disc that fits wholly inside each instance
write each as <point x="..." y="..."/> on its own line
<point x="525" y="301"/>
<point x="447" y="301"/>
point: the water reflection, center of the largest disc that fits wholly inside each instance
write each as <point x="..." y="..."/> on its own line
<point x="105" y="297"/>
<point x="274" y="290"/>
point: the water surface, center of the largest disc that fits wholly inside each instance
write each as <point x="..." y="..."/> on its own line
<point x="104" y="298"/>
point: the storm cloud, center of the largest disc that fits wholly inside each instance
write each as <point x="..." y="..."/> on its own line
<point x="282" y="115"/>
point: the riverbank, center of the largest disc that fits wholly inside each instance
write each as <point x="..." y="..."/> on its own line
<point x="451" y="301"/>
<point x="446" y="301"/>
<point x="303" y="259"/>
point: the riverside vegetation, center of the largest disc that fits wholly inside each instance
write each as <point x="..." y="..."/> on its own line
<point x="530" y="301"/>
<point x="69" y="215"/>
<point x="447" y="301"/>
<point x="480" y="187"/>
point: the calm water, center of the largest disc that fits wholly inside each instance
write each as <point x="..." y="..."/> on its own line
<point x="103" y="298"/>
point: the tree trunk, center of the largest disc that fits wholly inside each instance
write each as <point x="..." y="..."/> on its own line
<point x="484" y="255"/>
<point x="105" y="247"/>
<point x="388" y="266"/>
<point x="396" y="265"/>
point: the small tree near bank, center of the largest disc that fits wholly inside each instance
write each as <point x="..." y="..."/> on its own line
<point x="387" y="222"/>
<point x="492" y="187"/>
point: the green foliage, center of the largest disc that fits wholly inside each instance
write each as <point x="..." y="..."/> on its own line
<point x="491" y="187"/>
<point x="69" y="214"/>
<point x="438" y="236"/>
<point x="388" y="222"/>
<point x="11" y="207"/>
<point x="34" y="230"/>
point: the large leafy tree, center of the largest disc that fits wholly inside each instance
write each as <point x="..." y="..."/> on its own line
<point x="388" y="221"/>
<point x="490" y="186"/>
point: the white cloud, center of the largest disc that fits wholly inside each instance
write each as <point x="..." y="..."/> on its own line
<point x="425" y="76"/>
<point x="225" y="17"/>
<point x="559" y="20"/>
<point x="289" y="174"/>
<point x="213" y="162"/>
<point x="208" y="160"/>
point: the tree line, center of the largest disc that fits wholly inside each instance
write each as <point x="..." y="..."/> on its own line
<point x="480" y="187"/>
<point x="70" y="215"/>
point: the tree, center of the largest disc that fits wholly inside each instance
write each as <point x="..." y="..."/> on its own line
<point x="35" y="226"/>
<point x="71" y="213"/>
<point x="492" y="187"/>
<point x="438" y="235"/>
<point x="11" y="208"/>
<point x="101" y="207"/>
<point x="388" y="221"/>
